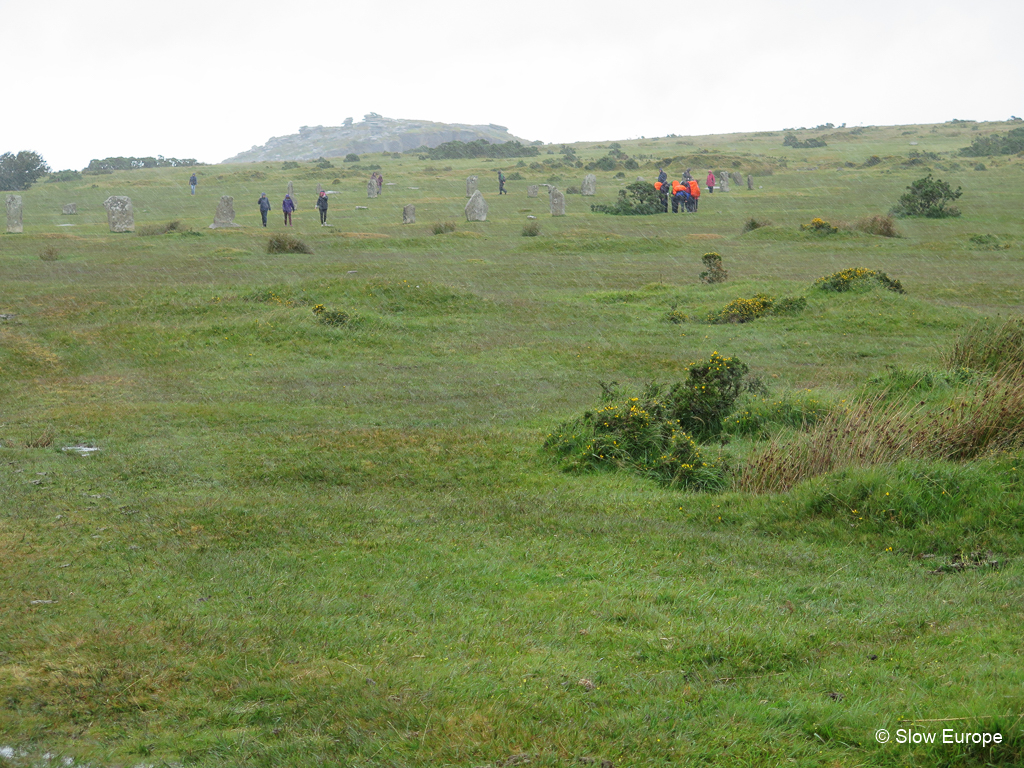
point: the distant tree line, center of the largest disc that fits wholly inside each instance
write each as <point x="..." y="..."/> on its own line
<point x="109" y="164"/>
<point x="18" y="171"/>
<point x="457" y="150"/>
<point x="996" y="144"/>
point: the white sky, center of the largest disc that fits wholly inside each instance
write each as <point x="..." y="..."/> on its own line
<point x="210" y="78"/>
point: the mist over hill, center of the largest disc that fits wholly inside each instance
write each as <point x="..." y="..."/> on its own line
<point x="374" y="134"/>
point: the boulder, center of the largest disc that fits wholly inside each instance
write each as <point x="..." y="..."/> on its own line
<point x="69" y="210"/>
<point x="225" y="213"/>
<point x="120" y="216"/>
<point x="476" y="208"/>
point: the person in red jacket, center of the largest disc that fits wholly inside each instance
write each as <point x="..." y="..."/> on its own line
<point x="711" y="182"/>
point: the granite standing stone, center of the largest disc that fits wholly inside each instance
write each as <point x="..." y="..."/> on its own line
<point x="723" y="181"/>
<point x="371" y="188"/>
<point x="225" y="213"/>
<point x="69" y="210"/>
<point x="557" y="202"/>
<point x="476" y="208"/>
<point x="531" y="191"/>
<point x="319" y="189"/>
<point x="291" y="192"/>
<point x="750" y="182"/>
<point x="470" y="186"/>
<point x="120" y="215"/>
<point x="409" y="214"/>
<point x="14" y="225"/>
<point x="589" y="185"/>
<point x="737" y="177"/>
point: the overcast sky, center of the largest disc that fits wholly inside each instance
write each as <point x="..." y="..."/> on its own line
<point x="210" y="78"/>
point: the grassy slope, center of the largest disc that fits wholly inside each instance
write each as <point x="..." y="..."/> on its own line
<point x="302" y="543"/>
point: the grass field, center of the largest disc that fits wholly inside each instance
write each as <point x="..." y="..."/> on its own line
<point x="310" y="544"/>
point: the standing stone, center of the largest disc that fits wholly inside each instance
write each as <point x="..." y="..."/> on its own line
<point x="737" y="177"/>
<point x="531" y="191"/>
<point x="371" y="188"/>
<point x="69" y="210"/>
<point x="589" y="185"/>
<point x="750" y="182"/>
<point x="470" y="186"/>
<point x="476" y="208"/>
<point x="409" y="214"/>
<point x="120" y="215"/>
<point x="723" y="181"/>
<point x="557" y="203"/>
<point x="319" y="189"/>
<point x="291" y="192"/>
<point x="14" y="225"/>
<point x="225" y="213"/>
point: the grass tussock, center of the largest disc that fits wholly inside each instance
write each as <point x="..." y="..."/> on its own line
<point x="753" y="223"/>
<point x="287" y="244"/>
<point x="991" y="345"/>
<point x="49" y="253"/>
<point x="882" y="226"/>
<point x="531" y="229"/>
<point x="443" y="227"/>
<point x="151" y="230"/>
<point x="878" y="430"/>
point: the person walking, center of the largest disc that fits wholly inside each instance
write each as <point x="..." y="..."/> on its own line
<point x="711" y="182"/>
<point x="695" y="194"/>
<point x="264" y="204"/>
<point x="288" y="206"/>
<point x="321" y="204"/>
<point x="192" y="182"/>
<point x="380" y="183"/>
<point x="501" y="183"/>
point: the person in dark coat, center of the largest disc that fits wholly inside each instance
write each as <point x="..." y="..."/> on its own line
<point x="662" y="176"/>
<point x="288" y="206"/>
<point x="192" y="182"/>
<point x="321" y="204"/>
<point x="501" y="183"/>
<point x="264" y="204"/>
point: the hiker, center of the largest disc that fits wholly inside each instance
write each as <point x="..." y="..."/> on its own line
<point x="192" y="182"/>
<point x="686" y="175"/>
<point x="264" y="204"/>
<point x="711" y="182"/>
<point x="694" y="194"/>
<point x="288" y="206"/>
<point x="321" y="204"/>
<point x="501" y="183"/>
<point x="662" y="187"/>
<point x="680" y="193"/>
<point x="380" y="183"/>
<point x="662" y="176"/>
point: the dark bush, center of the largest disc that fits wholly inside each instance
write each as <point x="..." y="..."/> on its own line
<point x="927" y="197"/>
<point x="1010" y="144"/>
<point x="351" y="157"/>
<point x="636" y="199"/>
<point x="67" y="175"/>
<point x="287" y="244"/>
<point x="19" y="171"/>
<point x="531" y="229"/>
<point x="288" y="165"/>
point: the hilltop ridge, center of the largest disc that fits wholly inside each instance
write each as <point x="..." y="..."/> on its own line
<point x="374" y="133"/>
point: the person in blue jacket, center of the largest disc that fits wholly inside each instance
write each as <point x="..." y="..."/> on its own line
<point x="192" y="182"/>
<point x="264" y="203"/>
<point x="288" y="206"/>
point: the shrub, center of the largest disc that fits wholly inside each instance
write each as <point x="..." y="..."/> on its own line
<point x="820" y="227"/>
<point x="636" y="199"/>
<point x="288" y="165"/>
<point x="351" y="157"/>
<point x="988" y="242"/>
<point x="788" y="305"/>
<point x="323" y="163"/>
<point x="980" y="167"/>
<point x="742" y="310"/>
<point x="67" y="175"/>
<point x="991" y="344"/>
<point x="514" y="176"/>
<point x="287" y="244"/>
<point x="871" y="161"/>
<point x="19" y="171"/>
<point x="713" y="272"/>
<point x="884" y="226"/>
<point x="606" y="163"/>
<point x="751" y="224"/>
<point x="620" y="175"/>
<point x="443" y="227"/>
<point x="326" y="316"/>
<point x="631" y="164"/>
<point x="846" y="279"/>
<point x="531" y="229"/>
<point x="791" y="140"/>
<point x="49" y="253"/>
<point x="927" y="197"/>
<point x="996" y="144"/>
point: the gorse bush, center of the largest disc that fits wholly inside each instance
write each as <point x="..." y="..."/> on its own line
<point x="857" y="277"/>
<point x="655" y="434"/>
<point x="713" y="272"/>
<point x="287" y="244"/>
<point x="333" y="317"/>
<point x="820" y="227"/>
<point x="636" y="199"/>
<point x="742" y="310"/>
<point x="927" y="197"/>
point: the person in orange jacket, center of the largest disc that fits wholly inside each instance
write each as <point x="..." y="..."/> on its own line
<point x="662" y="188"/>
<point x="695" y="194"/>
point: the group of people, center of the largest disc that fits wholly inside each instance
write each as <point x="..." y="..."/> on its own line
<point x="379" y="180"/>
<point x="685" y="193"/>
<point x="288" y="207"/>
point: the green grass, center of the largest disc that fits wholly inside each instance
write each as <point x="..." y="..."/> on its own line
<point x="305" y="543"/>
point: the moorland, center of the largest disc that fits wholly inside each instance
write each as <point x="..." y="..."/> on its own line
<point x="332" y="505"/>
